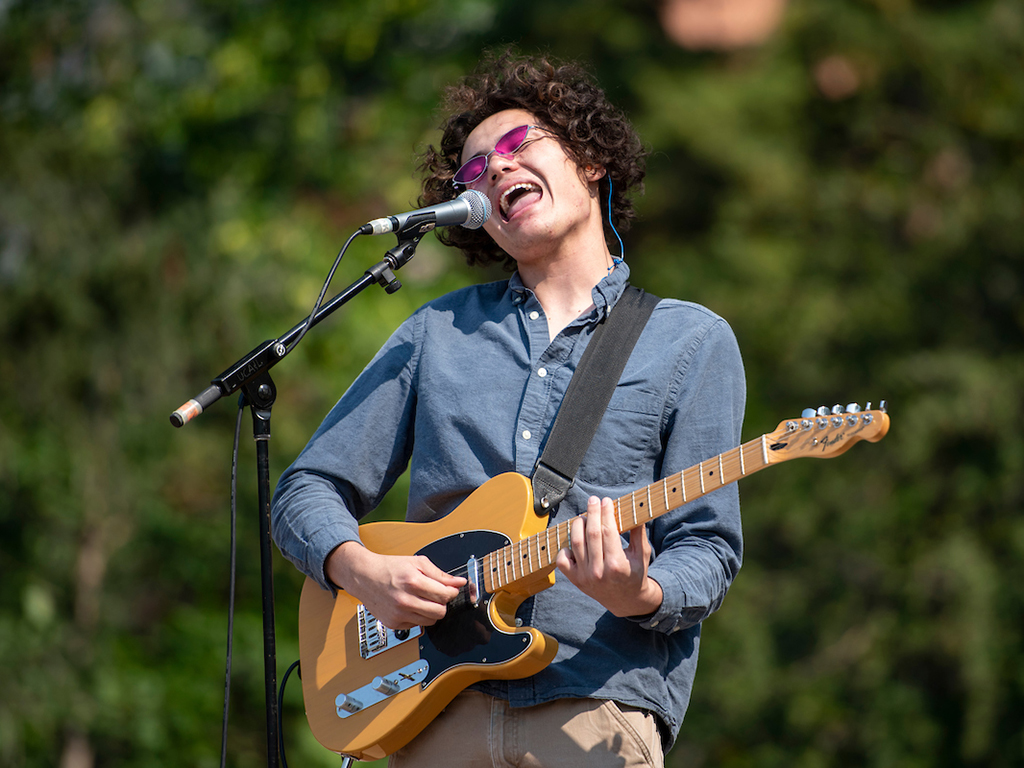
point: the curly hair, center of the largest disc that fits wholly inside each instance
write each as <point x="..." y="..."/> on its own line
<point x="563" y="99"/>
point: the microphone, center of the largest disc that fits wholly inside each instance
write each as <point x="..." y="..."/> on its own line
<point x="470" y="210"/>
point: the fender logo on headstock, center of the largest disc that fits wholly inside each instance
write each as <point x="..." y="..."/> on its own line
<point x="826" y="432"/>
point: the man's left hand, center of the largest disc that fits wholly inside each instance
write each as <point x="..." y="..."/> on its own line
<point x="597" y="563"/>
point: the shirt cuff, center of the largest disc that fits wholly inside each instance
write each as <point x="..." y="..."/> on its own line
<point x="672" y="615"/>
<point x="321" y="545"/>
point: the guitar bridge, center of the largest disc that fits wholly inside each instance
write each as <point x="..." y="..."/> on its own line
<point x="375" y="638"/>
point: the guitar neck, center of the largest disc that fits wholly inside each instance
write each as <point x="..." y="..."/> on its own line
<point x="821" y="434"/>
<point x="536" y="554"/>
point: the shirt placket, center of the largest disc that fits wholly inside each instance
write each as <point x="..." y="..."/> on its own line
<point x="544" y="387"/>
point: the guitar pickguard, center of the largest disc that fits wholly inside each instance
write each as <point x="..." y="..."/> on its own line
<point x="466" y="635"/>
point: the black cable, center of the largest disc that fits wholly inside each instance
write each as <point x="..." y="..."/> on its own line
<point x="233" y="538"/>
<point x="234" y="516"/>
<point x="280" y="710"/>
<point x="323" y="291"/>
<point x="231" y="588"/>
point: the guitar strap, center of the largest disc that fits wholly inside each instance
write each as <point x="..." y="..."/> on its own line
<point x="587" y="397"/>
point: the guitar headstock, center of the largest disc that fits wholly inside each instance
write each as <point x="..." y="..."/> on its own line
<point x="826" y="432"/>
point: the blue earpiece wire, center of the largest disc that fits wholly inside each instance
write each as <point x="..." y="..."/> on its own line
<point x="616" y="260"/>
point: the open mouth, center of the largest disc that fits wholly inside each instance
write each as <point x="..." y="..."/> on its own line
<point x="517" y="196"/>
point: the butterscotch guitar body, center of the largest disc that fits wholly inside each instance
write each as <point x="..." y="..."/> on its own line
<point x="368" y="691"/>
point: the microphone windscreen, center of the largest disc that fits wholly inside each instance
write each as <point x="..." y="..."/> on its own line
<point x="479" y="208"/>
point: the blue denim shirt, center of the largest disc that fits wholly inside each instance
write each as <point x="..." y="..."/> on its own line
<point x="467" y="388"/>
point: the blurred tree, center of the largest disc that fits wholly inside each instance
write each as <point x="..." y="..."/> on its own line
<point x="176" y="177"/>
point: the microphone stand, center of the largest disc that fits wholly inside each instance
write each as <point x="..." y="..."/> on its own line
<point x="251" y="375"/>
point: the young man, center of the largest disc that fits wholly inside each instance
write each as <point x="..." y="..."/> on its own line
<point x="468" y="388"/>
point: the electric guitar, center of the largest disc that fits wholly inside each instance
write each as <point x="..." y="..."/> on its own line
<point x="369" y="690"/>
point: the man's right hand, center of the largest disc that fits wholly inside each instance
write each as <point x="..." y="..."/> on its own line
<point x="401" y="591"/>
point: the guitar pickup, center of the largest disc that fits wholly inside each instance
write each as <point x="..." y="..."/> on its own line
<point x="381" y="688"/>
<point x="375" y="638"/>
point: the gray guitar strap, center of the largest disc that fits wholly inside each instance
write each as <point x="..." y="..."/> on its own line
<point x="587" y="397"/>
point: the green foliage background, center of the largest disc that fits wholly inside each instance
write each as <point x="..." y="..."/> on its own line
<point x="175" y="179"/>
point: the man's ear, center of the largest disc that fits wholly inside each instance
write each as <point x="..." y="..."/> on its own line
<point x="593" y="172"/>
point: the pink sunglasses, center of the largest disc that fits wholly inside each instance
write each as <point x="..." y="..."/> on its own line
<point x="507" y="145"/>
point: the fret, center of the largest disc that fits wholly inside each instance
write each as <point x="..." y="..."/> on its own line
<point x="542" y="548"/>
<point x="506" y="553"/>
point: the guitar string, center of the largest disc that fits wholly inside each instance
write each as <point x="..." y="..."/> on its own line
<point x="729" y="466"/>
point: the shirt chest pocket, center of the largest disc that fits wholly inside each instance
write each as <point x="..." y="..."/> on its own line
<point x="627" y="440"/>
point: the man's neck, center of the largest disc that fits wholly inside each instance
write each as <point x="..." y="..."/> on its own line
<point x="564" y="287"/>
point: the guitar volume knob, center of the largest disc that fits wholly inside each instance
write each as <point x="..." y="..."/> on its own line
<point x="385" y="686"/>
<point x="347" y="703"/>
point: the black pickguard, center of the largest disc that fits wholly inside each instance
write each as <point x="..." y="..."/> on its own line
<point x="466" y="634"/>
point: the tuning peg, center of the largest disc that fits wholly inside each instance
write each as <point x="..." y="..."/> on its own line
<point x="823" y="410"/>
<point x="836" y="410"/>
<point x="808" y="413"/>
<point x="853" y="408"/>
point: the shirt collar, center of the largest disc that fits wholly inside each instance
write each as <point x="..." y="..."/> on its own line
<point x="605" y="294"/>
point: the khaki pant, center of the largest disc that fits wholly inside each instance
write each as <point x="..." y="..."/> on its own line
<point x="484" y="732"/>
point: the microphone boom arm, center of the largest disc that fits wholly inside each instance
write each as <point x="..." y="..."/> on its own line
<point x="266" y="355"/>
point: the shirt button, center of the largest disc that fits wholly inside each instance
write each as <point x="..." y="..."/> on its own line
<point x="534" y="315"/>
<point x="527" y="434"/>
<point x="542" y="372"/>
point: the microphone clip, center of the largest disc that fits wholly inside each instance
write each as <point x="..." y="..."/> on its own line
<point x="383" y="272"/>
